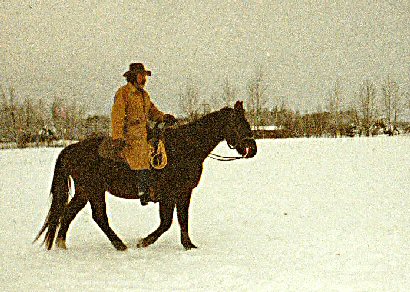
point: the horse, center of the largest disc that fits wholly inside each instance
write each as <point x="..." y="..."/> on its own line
<point x="187" y="147"/>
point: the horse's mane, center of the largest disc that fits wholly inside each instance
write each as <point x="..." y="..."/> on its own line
<point x="209" y="119"/>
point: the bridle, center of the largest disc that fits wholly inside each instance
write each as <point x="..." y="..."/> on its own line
<point x="232" y="146"/>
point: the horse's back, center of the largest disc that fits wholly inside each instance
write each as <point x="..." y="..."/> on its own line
<point x="81" y="157"/>
<point x="89" y="144"/>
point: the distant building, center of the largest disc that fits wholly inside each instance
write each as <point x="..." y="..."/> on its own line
<point x="265" y="128"/>
<point x="267" y="132"/>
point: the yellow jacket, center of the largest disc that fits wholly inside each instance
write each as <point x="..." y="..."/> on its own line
<point x="131" y="112"/>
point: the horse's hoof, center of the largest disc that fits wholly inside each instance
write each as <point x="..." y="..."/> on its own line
<point x="142" y="243"/>
<point x="189" y="246"/>
<point x="61" y="243"/>
<point x="119" y="245"/>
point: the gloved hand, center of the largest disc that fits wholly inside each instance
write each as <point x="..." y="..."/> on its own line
<point x="118" y="144"/>
<point x="169" y="119"/>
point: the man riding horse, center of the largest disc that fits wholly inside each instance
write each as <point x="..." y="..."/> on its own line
<point x="131" y="112"/>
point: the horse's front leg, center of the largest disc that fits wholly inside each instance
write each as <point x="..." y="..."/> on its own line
<point x="182" y="213"/>
<point x="166" y="211"/>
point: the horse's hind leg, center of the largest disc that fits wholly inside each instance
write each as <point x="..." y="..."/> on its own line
<point x="99" y="211"/>
<point x="74" y="206"/>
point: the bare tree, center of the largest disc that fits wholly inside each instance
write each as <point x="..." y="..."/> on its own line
<point x="15" y="118"/>
<point x="229" y="92"/>
<point x="407" y="94"/>
<point x="334" y="108"/>
<point x="29" y="116"/>
<point x="41" y="110"/>
<point x="392" y="103"/>
<point x="189" y="101"/>
<point x="5" y="124"/>
<point x="73" y="122"/>
<point x="257" y="87"/>
<point x="367" y="105"/>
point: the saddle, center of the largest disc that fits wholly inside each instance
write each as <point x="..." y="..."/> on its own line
<point x="157" y="152"/>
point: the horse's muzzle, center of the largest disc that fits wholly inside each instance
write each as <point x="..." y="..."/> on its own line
<point x="248" y="148"/>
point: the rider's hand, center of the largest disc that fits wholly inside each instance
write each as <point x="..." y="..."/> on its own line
<point x="118" y="144"/>
<point x="169" y="119"/>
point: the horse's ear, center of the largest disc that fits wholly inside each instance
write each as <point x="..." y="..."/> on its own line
<point x="239" y="105"/>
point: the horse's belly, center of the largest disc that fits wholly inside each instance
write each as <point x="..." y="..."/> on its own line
<point x="122" y="189"/>
<point x="129" y="196"/>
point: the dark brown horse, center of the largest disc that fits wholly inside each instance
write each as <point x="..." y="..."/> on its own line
<point x="187" y="148"/>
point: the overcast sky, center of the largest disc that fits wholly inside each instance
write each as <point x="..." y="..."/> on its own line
<point x="78" y="50"/>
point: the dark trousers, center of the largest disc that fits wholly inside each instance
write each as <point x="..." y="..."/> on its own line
<point x="143" y="180"/>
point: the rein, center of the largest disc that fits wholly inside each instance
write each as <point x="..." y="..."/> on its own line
<point x="228" y="158"/>
<point x="224" y="158"/>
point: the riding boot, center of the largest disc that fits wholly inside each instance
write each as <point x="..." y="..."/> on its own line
<point x="144" y="186"/>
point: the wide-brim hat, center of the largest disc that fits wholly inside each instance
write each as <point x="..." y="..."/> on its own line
<point x="136" y="68"/>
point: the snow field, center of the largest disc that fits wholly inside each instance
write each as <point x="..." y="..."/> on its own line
<point x="303" y="215"/>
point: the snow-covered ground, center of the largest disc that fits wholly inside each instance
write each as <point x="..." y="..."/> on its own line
<point x="303" y="215"/>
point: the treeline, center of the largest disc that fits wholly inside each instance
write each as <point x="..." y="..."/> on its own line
<point x="348" y="123"/>
<point x="369" y="110"/>
<point x="28" y="121"/>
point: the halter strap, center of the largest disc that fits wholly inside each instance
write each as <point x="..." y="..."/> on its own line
<point x="230" y="158"/>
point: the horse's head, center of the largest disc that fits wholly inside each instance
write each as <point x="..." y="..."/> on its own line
<point x="238" y="133"/>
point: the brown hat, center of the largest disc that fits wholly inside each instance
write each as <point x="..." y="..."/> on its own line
<point x="136" y="68"/>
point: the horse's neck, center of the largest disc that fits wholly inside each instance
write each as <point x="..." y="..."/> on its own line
<point x="200" y="138"/>
<point x="207" y="139"/>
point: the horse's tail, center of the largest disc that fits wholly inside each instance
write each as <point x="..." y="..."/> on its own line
<point x="59" y="194"/>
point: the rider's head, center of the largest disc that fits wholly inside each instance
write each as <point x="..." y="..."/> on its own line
<point x="137" y="74"/>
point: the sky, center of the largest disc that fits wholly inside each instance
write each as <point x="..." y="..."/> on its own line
<point x="78" y="50"/>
